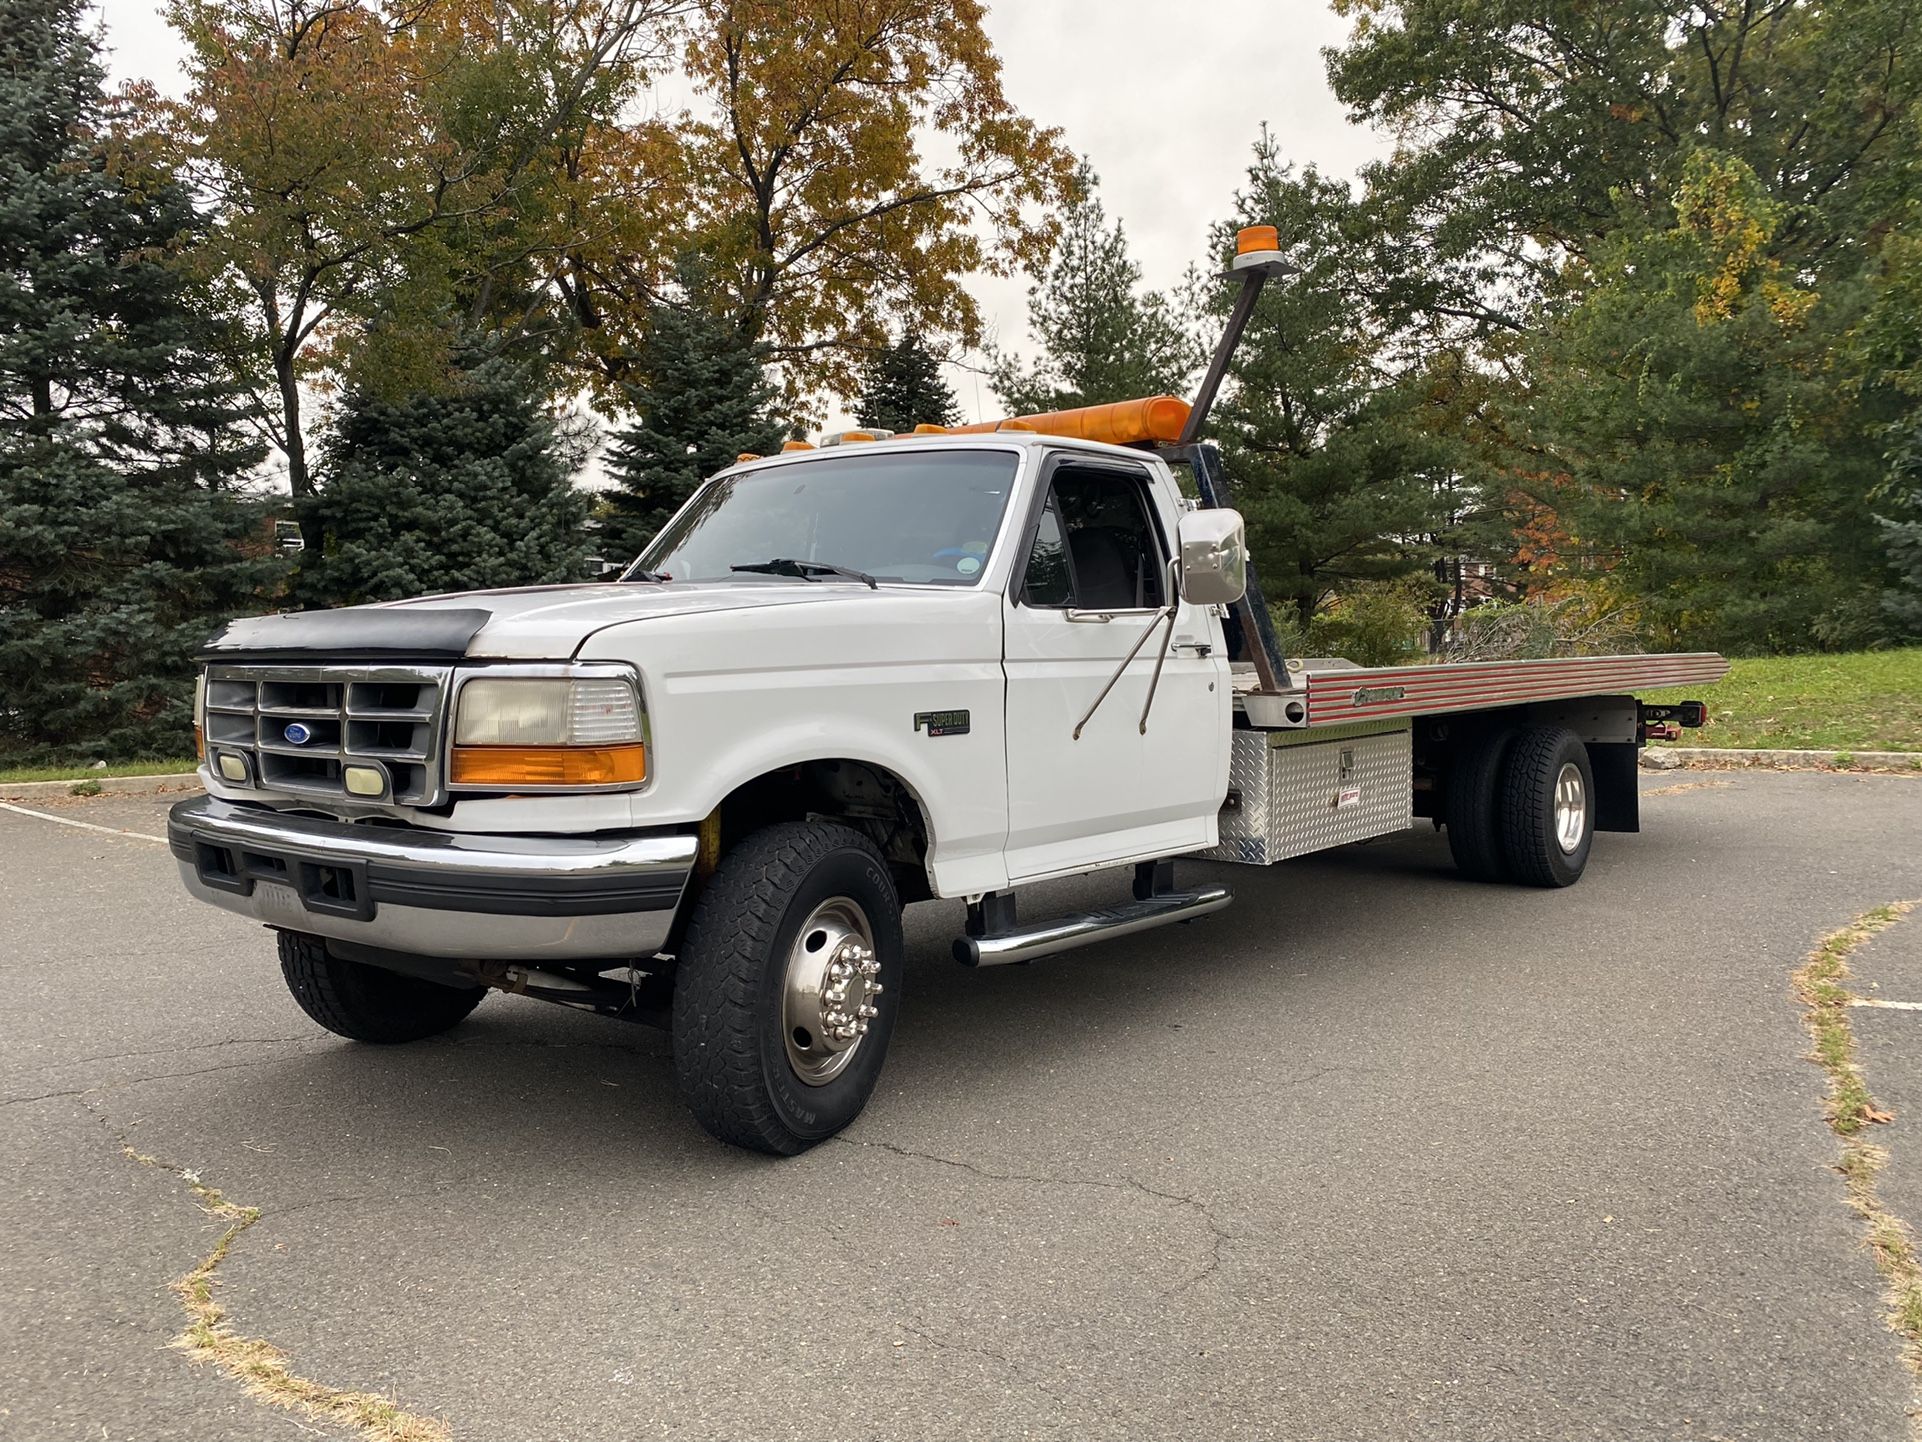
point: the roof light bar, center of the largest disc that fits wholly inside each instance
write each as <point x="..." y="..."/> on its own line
<point x="1146" y="421"/>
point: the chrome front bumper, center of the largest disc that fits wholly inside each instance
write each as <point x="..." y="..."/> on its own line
<point x="432" y="893"/>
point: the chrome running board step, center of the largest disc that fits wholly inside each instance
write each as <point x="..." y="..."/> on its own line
<point x="1025" y="943"/>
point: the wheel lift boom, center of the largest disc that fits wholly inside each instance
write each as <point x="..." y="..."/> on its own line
<point x="1257" y="259"/>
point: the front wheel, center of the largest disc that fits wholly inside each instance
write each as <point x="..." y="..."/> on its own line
<point x="365" y="1003"/>
<point x="787" y="986"/>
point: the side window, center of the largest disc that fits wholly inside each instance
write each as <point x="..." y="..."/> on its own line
<point x="1097" y="547"/>
<point x="1048" y="581"/>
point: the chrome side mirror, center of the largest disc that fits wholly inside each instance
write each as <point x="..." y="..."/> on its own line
<point x="1214" y="557"/>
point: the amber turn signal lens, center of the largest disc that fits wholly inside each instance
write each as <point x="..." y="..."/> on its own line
<point x="200" y="742"/>
<point x="1257" y="237"/>
<point x="548" y="765"/>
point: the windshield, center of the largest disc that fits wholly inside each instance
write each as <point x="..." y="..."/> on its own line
<point x="928" y="517"/>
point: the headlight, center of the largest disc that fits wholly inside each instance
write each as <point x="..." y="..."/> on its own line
<point x="521" y="731"/>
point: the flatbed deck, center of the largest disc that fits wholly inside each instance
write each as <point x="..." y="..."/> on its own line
<point x="1338" y="693"/>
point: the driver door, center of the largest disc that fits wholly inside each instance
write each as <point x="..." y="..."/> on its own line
<point x="1093" y="576"/>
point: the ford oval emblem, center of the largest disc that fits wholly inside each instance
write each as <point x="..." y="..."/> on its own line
<point x="297" y="734"/>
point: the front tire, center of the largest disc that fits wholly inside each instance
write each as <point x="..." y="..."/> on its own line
<point x="366" y="1003"/>
<point x="1547" y="807"/>
<point x="787" y="987"/>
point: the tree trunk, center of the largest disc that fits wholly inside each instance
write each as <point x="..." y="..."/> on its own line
<point x="295" y="447"/>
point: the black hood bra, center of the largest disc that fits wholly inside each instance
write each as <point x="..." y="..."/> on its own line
<point x="358" y="633"/>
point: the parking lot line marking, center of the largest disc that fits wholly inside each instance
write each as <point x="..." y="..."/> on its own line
<point x="1877" y="1001"/>
<point x="82" y="825"/>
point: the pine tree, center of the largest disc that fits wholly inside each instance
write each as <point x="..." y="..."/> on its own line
<point x="1102" y="337"/>
<point x="1720" y="474"/>
<point x="902" y="388"/>
<point x="122" y="537"/>
<point x="1891" y="346"/>
<point x="1341" y="483"/>
<point x="1899" y="517"/>
<point x="705" y="400"/>
<point x="1660" y="222"/>
<point x="462" y="488"/>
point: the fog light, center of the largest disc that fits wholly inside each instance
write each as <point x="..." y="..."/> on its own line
<point x="364" y="780"/>
<point x="233" y="768"/>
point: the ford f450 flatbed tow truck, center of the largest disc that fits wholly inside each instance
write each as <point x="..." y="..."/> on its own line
<point x="844" y="679"/>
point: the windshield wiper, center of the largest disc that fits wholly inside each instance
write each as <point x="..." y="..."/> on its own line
<point x="808" y="571"/>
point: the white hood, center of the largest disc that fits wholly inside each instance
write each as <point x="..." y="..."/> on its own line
<point x="549" y="623"/>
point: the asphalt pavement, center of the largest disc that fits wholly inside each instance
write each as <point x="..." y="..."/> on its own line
<point x="1377" y="1153"/>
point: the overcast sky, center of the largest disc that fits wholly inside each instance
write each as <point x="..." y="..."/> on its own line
<point x="1165" y="99"/>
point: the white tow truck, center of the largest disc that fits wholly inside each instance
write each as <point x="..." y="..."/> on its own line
<point x="844" y="679"/>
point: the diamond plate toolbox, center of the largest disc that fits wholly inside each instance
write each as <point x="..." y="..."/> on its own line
<point x="1292" y="792"/>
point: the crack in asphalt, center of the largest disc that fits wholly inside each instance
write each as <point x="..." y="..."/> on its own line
<point x="194" y="1046"/>
<point x="1220" y="1235"/>
<point x="46" y="1096"/>
<point x="134" y="1081"/>
<point x="917" y="1327"/>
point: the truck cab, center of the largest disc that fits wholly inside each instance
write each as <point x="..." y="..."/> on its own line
<point x="934" y="649"/>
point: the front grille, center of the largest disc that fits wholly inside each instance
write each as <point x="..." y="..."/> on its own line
<point x="387" y="716"/>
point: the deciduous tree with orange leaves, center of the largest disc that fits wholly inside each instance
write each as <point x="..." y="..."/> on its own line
<point x="852" y="162"/>
<point x="425" y="171"/>
<point x="405" y="163"/>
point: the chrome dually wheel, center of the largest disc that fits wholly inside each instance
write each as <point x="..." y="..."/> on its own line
<point x="787" y="986"/>
<point x="1571" y="808"/>
<point x="833" y="981"/>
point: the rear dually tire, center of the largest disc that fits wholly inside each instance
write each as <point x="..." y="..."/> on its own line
<point x="1547" y="813"/>
<point x="1473" y="802"/>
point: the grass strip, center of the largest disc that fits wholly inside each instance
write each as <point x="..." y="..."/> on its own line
<point x="1851" y="1107"/>
<point x="162" y="766"/>
<point x="262" y="1368"/>
<point x="1845" y="702"/>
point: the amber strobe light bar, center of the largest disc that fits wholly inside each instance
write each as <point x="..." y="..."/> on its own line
<point x="1151" y="420"/>
<point x="1120" y="423"/>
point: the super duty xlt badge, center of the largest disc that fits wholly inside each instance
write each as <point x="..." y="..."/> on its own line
<point x="1366" y="694"/>
<point x="942" y="723"/>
